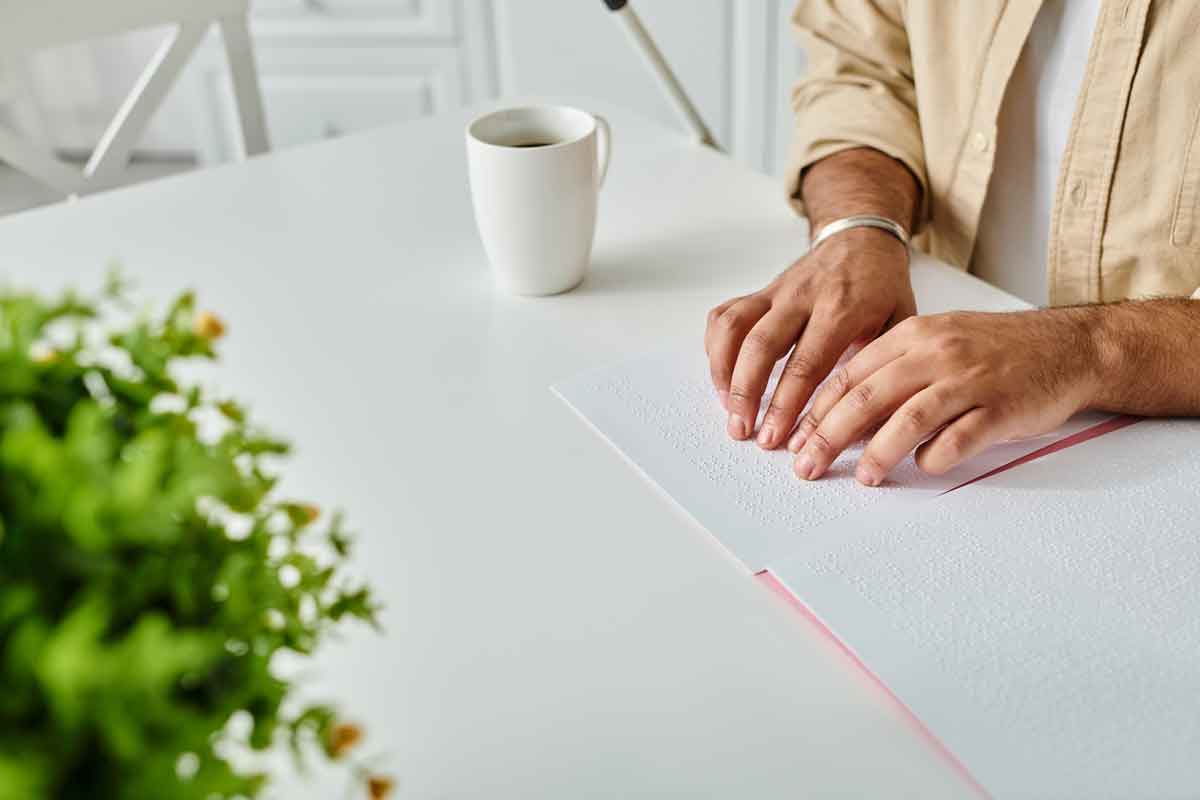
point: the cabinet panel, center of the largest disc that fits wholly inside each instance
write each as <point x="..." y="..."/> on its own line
<point x="370" y="8"/>
<point x="315" y="93"/>
<point x="308" y="108"/>
<point x="428" y="19"/>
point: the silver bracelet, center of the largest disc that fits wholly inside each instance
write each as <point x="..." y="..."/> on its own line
<point x="861" y="221"/>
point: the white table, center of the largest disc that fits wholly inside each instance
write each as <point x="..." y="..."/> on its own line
<point x="554" y="628"/>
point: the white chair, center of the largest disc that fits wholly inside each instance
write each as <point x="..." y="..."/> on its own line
<point x="30" y="25"/>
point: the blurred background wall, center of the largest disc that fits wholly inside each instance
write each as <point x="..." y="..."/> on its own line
<point x="330" y="67"/>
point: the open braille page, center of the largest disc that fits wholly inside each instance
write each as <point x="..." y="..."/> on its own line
<point x="1043" y="624"/>
<point x="661" y="412"/>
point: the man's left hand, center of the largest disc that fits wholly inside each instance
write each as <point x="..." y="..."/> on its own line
<point x="949" y="385"/>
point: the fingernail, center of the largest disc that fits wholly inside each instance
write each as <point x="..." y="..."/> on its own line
<point x="867" y="476"/>
<point x="804" y="466"/>
<point x="723" y="396"/>
<point x="797" y="441"/>
<point x="766" y="436"/>
<point x="737" y="427"/>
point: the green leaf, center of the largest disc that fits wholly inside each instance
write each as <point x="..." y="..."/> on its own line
<point x="133" y="615"/>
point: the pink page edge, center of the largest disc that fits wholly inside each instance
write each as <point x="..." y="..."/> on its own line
<point x="779" y="588"/>
<point x="1099" y="429"/>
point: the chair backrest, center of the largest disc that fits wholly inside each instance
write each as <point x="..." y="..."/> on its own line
<point x="30" y="25"/>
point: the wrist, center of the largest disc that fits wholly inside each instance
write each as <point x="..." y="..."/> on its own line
<point x="859" y="181"/>
<point x="1091" y="344"/>
<point x="1109" y="355"/>
<point x="857" y="242"/>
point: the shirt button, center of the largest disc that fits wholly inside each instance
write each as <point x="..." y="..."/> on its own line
<point x="980" y="141"/>
<point x="1078" y="191"/>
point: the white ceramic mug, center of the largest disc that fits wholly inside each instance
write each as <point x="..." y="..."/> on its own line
<point x="535" y="175"/>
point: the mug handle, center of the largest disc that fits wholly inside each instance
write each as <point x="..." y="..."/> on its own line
<point x="603" y="147"/>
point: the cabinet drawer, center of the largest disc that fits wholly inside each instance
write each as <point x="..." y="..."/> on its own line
<point x="371" y="8"/>
<point x="307" y="108"/>
<point x="317" y="93"/>
<point x="421" y="18"/>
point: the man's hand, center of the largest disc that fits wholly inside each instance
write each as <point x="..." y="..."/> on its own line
<point x="848" y="290"/>
<point x="957" y="382"/>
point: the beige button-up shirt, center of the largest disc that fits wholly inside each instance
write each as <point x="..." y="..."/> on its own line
<point x="922" y="80"/>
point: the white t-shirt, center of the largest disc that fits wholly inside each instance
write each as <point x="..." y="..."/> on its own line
<point x="1034" y="123"/>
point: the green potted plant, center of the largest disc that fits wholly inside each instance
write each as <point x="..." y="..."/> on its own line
<point x="149" y="572"/>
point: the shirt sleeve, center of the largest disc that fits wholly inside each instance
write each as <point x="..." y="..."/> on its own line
<point x="858" y="90"/>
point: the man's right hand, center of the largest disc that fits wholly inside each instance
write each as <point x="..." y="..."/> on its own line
<point x="847" y="291"/>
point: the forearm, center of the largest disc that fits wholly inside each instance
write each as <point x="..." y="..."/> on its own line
<point x="1147" y="355"/>
<point x="859" y="181"/>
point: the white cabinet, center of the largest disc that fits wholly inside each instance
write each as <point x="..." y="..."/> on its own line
<point x="312" y="92"/>
<point x="395" y="17"/>
<point x="359" y="8"/>
<point x="335" y="66"/>
<point x="305" y="107"/>
<point x="329" y="67"/>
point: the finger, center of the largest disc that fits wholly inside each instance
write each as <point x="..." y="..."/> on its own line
<point x="711" y="319"/>
<point x="709" y="330"/>
<point x="726" y="331"/>
<point x="870" y="359"/>
<point x="963" y="438"/>
<point x="912" y="423"/>
<point x="767" y="342"/>
<point x="870" y="401"/>
<point x="822" y="343"/>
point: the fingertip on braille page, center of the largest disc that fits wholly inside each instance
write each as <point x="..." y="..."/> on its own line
<point x="766" y="437"/>
<point x="804" y="467"/>
<point x="867" y="476"/>
<point x="738" y="428"/>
